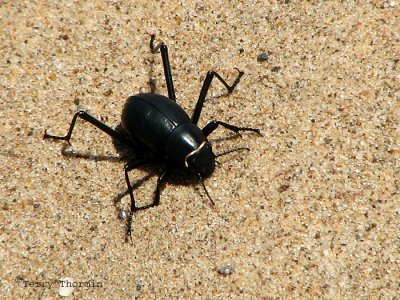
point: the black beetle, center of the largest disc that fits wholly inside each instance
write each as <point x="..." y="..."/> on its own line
<point x="160" y="124"/>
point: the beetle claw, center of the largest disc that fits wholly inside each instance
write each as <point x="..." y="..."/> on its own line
<point x="128" y="235"/>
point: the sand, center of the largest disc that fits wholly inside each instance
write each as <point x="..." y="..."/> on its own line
<point x="313" y="210"/>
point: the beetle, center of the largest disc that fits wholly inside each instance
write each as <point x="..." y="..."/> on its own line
<point x="160" y="125"/>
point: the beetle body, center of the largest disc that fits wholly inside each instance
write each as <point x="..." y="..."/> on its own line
<point x="164" y="127"/>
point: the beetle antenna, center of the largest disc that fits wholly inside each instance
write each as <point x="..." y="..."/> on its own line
<point x="205" y="189"/>
<point x="232" y="150"/>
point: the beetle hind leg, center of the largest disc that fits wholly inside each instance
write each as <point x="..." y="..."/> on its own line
<point x="131" y="165"/>
<point x="167" y="68"/>
<point x="92" y="120"/>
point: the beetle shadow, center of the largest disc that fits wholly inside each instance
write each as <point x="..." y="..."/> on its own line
<point x="136" y="152"/>
<point x="152" y="82"/>
<point x="66" y="151"/>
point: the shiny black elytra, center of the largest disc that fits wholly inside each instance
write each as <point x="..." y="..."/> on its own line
<point x="161" y="125"/>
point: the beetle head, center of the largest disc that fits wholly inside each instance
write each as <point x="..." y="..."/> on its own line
<point x="201" y="160"/>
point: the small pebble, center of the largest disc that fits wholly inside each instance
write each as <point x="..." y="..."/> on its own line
<point x="66" y="287"/>
<point x="226" y="270"/>
<point x="122" y="215"/>
<point x="275" y="69"/>
<point x="262" y="57"/>
<point x="139" y="286"/>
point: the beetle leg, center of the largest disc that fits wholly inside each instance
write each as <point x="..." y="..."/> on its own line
<point x="205" y="189"/>
<point x="205" y="88"/>
<point x="129" y="167"/>
<point x="210" y="127"/>
<point x="167" y="68"/>
<point x="85" y="116"/>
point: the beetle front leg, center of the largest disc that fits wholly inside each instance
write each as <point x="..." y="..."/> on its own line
<point x="205" y="88"/>
<point x="210" y="127"/>
<point x="162" y="179"/>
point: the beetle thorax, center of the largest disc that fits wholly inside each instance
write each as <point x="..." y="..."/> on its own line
<point x="189" y="148"/>
<point x="201" y="160"/>
<point x="198" y="149"/>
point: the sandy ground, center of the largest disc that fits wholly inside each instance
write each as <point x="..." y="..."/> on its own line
<point x="311" y="211"/>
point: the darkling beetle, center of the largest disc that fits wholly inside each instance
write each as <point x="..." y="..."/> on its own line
<point x="160" y="124"/>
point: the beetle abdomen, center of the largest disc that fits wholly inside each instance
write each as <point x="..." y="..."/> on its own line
<point x="151" y="118"/>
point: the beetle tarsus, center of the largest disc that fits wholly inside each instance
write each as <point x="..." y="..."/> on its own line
<point x="128" y="235"/>
<point x="152" y="48"/>
<point x="210" y="127"/>
<point x="232" y="87"/>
